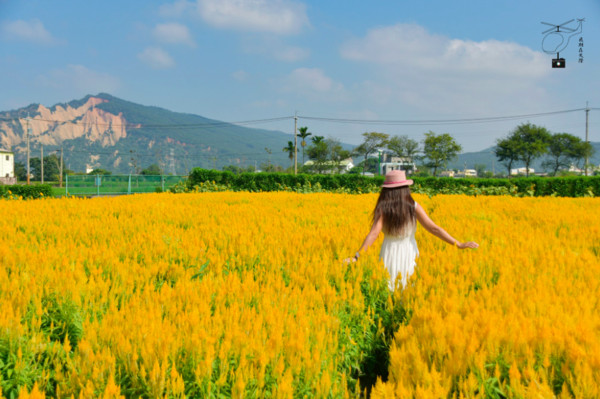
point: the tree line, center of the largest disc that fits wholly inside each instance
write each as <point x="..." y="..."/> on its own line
<point x="526" y="143"/>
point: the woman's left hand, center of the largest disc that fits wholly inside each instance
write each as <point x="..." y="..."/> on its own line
<point x="468" y="244"/>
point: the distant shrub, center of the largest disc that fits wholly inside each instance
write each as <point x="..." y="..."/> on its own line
<point x="213" y="180"/>
<point x="19" y="191"/>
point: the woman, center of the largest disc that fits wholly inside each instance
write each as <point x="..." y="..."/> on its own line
<point x="396" y="214"/>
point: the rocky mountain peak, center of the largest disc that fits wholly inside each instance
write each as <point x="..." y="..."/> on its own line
<point x="52" y="126"/>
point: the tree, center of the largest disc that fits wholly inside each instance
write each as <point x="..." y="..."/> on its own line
<point x="20" y="171"/>
<point x="152" y="170"/>
<point x="269" y="151"/>
<point x="563" y="150"/>
<point x="327" y="155"/>
<point x="268" y="167"/>
<point x="585" y="152"/>
<point x="51" y="168"/>
<point x="402" y="146"/>
<point x="336" y="154"/>
<point x="439" y="149"/>
<point x="372" y="142"/>
<point x="507" y="152"/>
<point x="370" y="165"/>
<point x="480" y="169"/>
<point x="318" y="153"/>
<point x="303" y="135"/>
<point x="100" y="171"/>
<point x="533" y="142"/>
<point x="290" y="149"/>
<point x="238" y="169"/>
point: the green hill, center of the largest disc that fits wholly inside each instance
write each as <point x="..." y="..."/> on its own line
<point x="175" y="141"/>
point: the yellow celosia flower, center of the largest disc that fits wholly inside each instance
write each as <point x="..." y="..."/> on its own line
<point x="241" y="294"/>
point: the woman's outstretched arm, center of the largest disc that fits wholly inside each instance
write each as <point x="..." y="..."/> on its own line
<point x="369" y="239"/>
<point x="437" y="231"/>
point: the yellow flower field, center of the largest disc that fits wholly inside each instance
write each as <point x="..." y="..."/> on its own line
<point x="517" y="318"/>
<point x="245" y="295"/>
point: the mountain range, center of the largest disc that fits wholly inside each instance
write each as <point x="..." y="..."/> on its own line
<point x="102" y="131"/>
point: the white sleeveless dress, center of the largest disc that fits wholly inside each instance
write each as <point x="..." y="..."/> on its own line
<point x="398" y="255"/>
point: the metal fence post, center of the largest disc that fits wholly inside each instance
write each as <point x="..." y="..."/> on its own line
<point x="67" y="186"/>
<point x="129" y="185"/>
<point x="162" y="181"/>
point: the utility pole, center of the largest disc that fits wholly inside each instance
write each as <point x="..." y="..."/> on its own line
<point x="28" y="132"/>
<point x="587" y="114"/>
<point x="295" y="143"/>
<point x="60" y="177"/>
<point x="42" y="163"/>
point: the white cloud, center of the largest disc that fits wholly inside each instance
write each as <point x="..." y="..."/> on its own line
<point x="79" y="79"/>
<point x="173" y="33"/>
<point x="409" y="46"/>
<point x="311" y="78"/>
<point x="156" y="58"/>
<point x="438" y="73"/>
<point x="30" y="31"/>
<point x="176" y="9"/>
<point x="314" y="84"/>
<point x="240" y="75"/>
<point x="272" y="16"/>
<point x="291" y="54"/>
<point x="274" y="47"/>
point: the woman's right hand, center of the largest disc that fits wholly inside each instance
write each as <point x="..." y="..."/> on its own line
<point x="468" y="244"/>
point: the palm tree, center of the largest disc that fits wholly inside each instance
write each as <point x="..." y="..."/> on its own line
<point x="290" y="149"/>
<point x="303" y="135"/>
<point x="317" y="139"/>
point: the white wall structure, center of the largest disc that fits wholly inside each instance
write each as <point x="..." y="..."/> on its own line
<point x="334" y="167"/>
<point x="7" y="167"/>
<point x="466" y="173"/>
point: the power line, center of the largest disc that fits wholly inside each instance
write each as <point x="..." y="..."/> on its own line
<point x="413" y="122"/>
<point x="441" y="121"/>
<point x="150" y="155"/>
<point x="132" y="125"/>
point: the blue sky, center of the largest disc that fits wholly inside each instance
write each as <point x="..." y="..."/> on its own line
<point x="239" y="60"/>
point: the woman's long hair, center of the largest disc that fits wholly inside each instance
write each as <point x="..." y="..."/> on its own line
<point x="397" y="207"/>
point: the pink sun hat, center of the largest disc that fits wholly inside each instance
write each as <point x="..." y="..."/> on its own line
<point x="396" y="178"/>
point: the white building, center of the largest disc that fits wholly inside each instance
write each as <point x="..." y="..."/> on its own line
<point x="575" y="169"/>
<point x="389" y="163"/>
<point x="521" y="171"/>
<point x="7" y="167"/>
<point x="333" y="166"/>
<point x="447" y="173"/>
<point x="467" y="173"/>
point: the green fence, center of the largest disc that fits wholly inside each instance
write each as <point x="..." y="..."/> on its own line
<point x="118" y="184"/>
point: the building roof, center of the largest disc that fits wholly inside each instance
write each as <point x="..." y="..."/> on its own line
<point x="5" y="151"/>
